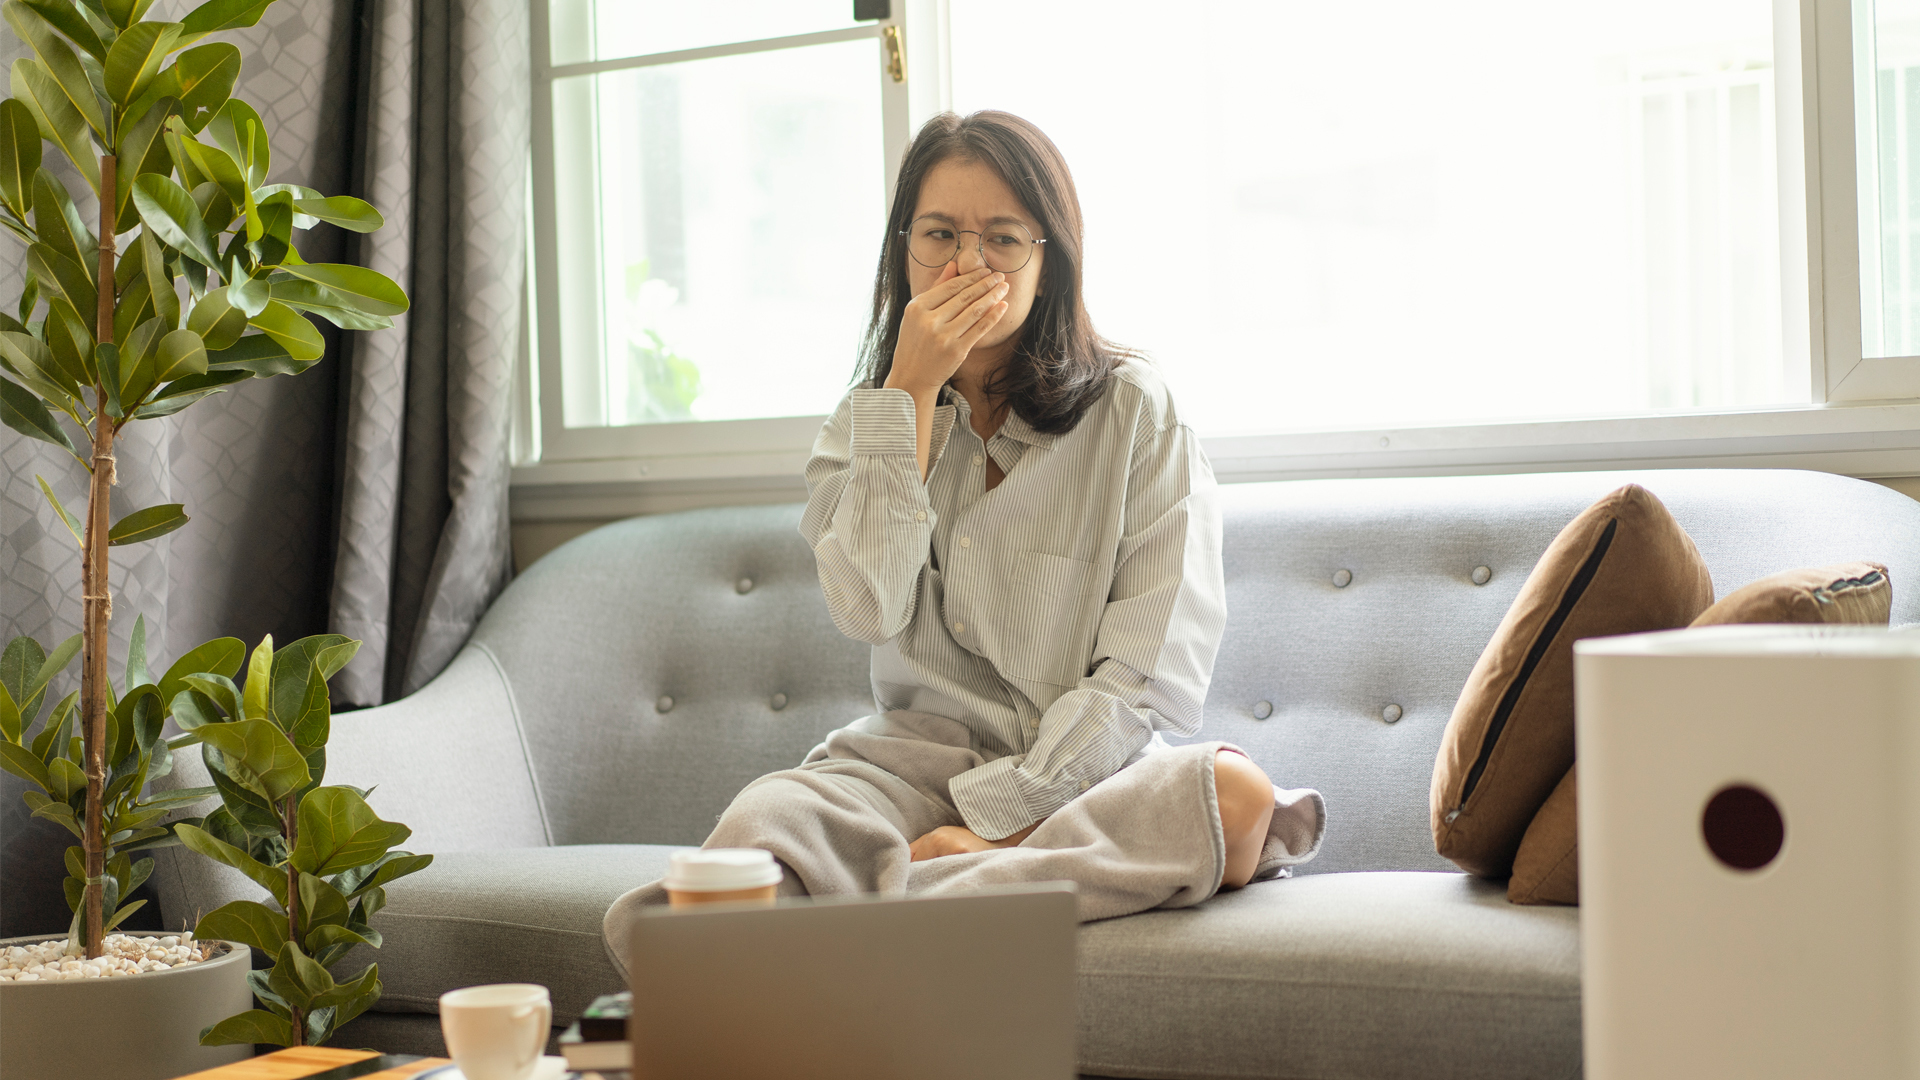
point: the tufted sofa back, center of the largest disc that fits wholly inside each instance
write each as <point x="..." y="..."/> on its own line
<point x="660" y="664"/>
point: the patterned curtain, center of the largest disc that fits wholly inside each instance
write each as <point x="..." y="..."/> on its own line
<point x="367" y="496"/>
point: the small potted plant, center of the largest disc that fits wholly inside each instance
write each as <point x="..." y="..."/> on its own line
<point x="187" y="283"/>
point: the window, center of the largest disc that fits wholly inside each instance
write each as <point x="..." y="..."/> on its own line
<point x="1390" y="216"/>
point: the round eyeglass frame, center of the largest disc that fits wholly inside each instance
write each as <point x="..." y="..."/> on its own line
<point x="981" y="247"/>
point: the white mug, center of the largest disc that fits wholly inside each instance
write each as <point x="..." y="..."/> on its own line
<point x="496" y="1032"/>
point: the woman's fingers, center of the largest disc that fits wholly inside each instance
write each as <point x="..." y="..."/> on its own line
<point x="947" y="300"/>
<point x="988" y="319"/>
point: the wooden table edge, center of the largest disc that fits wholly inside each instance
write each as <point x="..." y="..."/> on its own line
<point x="301" y="1061"/>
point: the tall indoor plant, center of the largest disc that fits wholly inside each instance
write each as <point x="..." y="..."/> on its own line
<point x="191" y="284"/>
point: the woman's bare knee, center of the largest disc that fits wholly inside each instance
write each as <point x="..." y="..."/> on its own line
<point x="1246" y="810"/>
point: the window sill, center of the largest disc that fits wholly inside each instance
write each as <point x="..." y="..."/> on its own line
<point x="1868" y="441"/>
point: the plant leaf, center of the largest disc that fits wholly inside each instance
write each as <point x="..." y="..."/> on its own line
<point x="324" y="302"/>
<point x="58" y="222"/>
<point x="21" y="762"/>
<point x="300" y="339"/>
<point x="22" y="410"/>
<point x="19" y="155"/>
<point x="60" y="64"/>
<point x="143" y="525"/>
<point x="67" y="19"/>
<point x="10" y="722"/>
<point x="218" y="689"/>
<point x="205" y="75"/>
<point x="32" y="359"/>
<point x="248" y="922"/>
<point x="217" y="15"/>
<point x="19" y="663"/>
<point x="257" y="690"/>
<point x="254" y="1025"/>
<point x="349" y="213"/>
<point x="55" y="663"/>
<point x="274" y="881"/>
<point x="69" y="277"/>
<point x="179" y="354"/>
<point x="390" y="867"/>
<point x="358" y="287"/>
<point x="167" y="209"/>
<point x="137" y="655"/>
<point x="66" y="776"/>
<point x="135" y="58"/>
<point x="258" y="755"/>
<point x="70" y="340"/>
<point x="143" y="149"/>
<point x="59" y="122"/>
<point x="259" y="354"/>
<point x="215" y="318"/>
<point x="292" y="670"/>
<point x="338" y="831"/>
<point x="59" y="726"/>
<point x="320" y="903"/>
<point x="120" y="916"/>
<point x="123" y="13"/>
<point x="229" y="131"/>
<point x="221" y="656"/>
<point x="184" y="392"/>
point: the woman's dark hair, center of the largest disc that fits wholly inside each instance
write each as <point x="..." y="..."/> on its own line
<point x="1059" y="366"/>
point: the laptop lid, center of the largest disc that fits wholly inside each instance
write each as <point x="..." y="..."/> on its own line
<point x="973" y="987"/>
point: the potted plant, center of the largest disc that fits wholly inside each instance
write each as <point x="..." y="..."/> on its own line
<point x="191" y="283"/>
<point x="321" y="853"/>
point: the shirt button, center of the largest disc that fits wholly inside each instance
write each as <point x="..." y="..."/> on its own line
<point x="920" y="516"/>
<point x="1084" y="785"/>
<point x="978" y="461"/>
<point x="966" y="541"/>
<point x="959" y="628"/>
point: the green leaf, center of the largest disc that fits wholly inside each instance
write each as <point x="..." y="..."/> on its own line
<point x="345" y="211"/>
<point x="320" y="903"/>
<point x="19" y="155"/>
<point x="217" y="15"/>
<point x="248" y="922"/>
<point x="217" y="689"/>
<point x="137" y="362"/>
<point x="204" y="81"/>
<point x="68" y="20"/>
<point x="185" y="392"/>
<point x="70" y="339"/>
<point x="55" y="663"/>
<point x="311" y="722"/>
<point x="106" y="358"/>
<point x="167" y="209"/>
<point x="9" y="718"/>
<point x="192" y="709"/>
<point x="250" y="294"/>
<point x="221" y="656"/>
<point x="124" y="13"/>
<point x="217" y="320"/>
<point x="293" y="666"/>
<point x="22" y="410"/>
<point x="21" y="762"/>
<point x="143" y="525"/>
<point x="69" y="277"/>
<point x="60" y="227"/>
<point x="19" y="663"/>
<point x="59" y="726"/>
<point x="237" y="129"/>
<point x="166" y="303"/>
<point x="120" y="916"/>
<point x="60" y="64"/>
<point x="377" y="875"/>
<point x="359" y="288"/>
<point x="257" y="699"/>
<point x="31" y="359"/>
<point x="137" y="654"/>
<point x="258" y="354"/>
<point x="135" y="58"/>
<point x="57" y="812"/>
<point x="66" y="776"/>
<point x="179" y="354"/>
<point x="254" y="1025"/>
<point x="274" y="881"/>
<point x="289" y="331"/>
<point x="143" y="149"/>
<point x="338" y="831"/>
<point x="178" y="797"/>
<point x="259" y="756"/>
<point x="324" y="302"/>
<point x="59" y="122"/>
<point x="134" y="307"/>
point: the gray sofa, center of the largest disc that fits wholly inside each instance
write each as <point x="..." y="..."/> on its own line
<point x="624" y="688"/>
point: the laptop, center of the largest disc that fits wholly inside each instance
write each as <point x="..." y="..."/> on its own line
<point x="973" y="987"/>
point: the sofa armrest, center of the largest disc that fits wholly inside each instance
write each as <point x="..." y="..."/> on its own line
<point x="448" y="761"/>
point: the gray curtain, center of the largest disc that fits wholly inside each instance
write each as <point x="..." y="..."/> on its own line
<point x="367" y="496"/>
<point x="423" y="539"/>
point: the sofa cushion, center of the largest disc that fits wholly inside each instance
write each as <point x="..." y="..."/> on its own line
<point x="1856" y="592"/>
<point x="1623" y="566"/>
<point x="1547" y="868"/>
<point x="510" y="915"/>
<point x="1360" y="976"/>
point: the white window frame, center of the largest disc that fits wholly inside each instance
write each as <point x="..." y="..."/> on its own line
<point x="1863" y="419"/>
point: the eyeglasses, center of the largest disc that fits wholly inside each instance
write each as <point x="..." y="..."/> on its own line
<point x="1005" y="247"/>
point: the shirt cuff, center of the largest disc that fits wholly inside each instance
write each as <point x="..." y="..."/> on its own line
<point x="999" y="798"/>
<point x="884" y="423"/>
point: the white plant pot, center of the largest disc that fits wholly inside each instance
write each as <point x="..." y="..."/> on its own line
<point x="133" y="1027"/>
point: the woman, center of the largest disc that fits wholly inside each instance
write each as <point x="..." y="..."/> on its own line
<point x="1010" y="512"/>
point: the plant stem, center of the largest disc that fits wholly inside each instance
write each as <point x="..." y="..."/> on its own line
<point x="96" y="602"/>
<point x="292" y="820"/>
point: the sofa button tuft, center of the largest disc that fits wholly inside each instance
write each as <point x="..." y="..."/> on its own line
<point x="665" y="704"/>
<point x="1391" y="714"/>
<point x="1342" y="578"/>
<point x="743" y="586"/>
<point x="1262" y="710"/>
<point x="779" y="702"/>
<point x="1482" y="575"/>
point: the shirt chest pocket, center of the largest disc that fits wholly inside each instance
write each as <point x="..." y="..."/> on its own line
<point x="1048" y="629"/>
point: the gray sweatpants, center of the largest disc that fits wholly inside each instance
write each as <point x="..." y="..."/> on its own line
<point x="1149" y="836"/>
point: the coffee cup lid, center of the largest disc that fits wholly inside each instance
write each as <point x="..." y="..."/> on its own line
<point x="722" y="870"/>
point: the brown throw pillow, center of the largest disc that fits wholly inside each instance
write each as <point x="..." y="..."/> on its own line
<point x="1623" y="566"/>
<point x="1547" y="869"/>
<point x="1856" y="592"/>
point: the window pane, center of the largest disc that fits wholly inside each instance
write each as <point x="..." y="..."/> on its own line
<point x="585" y="30"/>
<point x="1887" y="137"/>
<point x="718" y="225"/>
<point x="1409" y="212"/>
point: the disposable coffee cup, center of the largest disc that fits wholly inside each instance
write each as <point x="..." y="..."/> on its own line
<point x="717" y="875"/>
